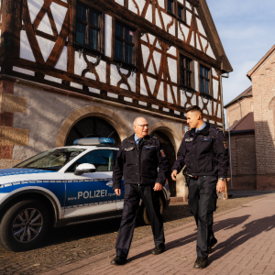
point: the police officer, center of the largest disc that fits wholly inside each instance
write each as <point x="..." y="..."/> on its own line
<point x="203" y="150"/>
<point x="144" y="166"/>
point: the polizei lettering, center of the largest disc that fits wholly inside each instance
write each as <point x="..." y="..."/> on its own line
<point x="92" y="194"/>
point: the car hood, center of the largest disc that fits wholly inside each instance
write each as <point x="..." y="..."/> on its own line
<point x="13" y="173"/>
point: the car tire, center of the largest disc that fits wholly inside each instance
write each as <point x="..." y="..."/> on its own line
<point x="24" y="226"/>
<point x="145" y="214"/>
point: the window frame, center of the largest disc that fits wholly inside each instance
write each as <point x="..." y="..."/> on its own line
<point x="174" y="8"/>
<point x="185" y="71"/>
<point x="125" y="42"/>
<point x="86" y="21"/>
<point x="205" y="79"/>
<point x="183" y="12"/>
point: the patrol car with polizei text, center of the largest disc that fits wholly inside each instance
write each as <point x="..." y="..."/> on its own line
<point x="60" y="187"/>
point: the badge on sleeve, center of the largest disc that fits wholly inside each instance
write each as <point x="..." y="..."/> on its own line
<point x="225" y="145"/>
<point x="162" y="153"/>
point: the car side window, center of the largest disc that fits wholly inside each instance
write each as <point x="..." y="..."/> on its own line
<point x="103" y="160"/>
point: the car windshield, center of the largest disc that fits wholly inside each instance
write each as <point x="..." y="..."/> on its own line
<point x="52" y="160"/>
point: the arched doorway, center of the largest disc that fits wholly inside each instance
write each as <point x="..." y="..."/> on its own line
<point x="169" y="150"/>
<point x="92" y="127"/>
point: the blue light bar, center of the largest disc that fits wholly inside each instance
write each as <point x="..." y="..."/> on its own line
<point x="94" y="141"/>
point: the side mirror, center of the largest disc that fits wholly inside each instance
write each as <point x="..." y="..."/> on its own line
<point x="84" y="168"/>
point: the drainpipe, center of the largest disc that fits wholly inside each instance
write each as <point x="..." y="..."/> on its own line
<point x="221" y="91"/>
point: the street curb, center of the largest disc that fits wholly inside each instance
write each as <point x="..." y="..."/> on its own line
<point x="111" y="253"/>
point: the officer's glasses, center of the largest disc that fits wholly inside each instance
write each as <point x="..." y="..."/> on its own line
<point x="143" y="125"/>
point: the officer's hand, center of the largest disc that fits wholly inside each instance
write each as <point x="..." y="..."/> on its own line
<point x="118" y="192"/>
<point x="157" y="187"/>
<point x="174" y="175"/>
<point x="220" y="186"/>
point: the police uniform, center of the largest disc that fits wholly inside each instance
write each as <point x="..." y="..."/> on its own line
<point x="142" y="165"/>
<point x="205" y="155"/>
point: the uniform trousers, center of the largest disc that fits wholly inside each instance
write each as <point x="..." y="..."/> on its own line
<point x="132" y="196"/>
<point x="202" y="202"/>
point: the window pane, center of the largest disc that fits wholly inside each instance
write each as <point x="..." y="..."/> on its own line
<point x="93" y="39"/>
<point x="101" y="159"/>
<point x="129" y="35"/>
<point x="94" y="18"/>
<point x="119" y="49"/>
<point x="188" y="64"/>
<point x="128" y="53"/>
<point x="170" y="6"/>
<point x="206" y="87"/>
<point x="180" y="12"/>
<point x="80" y="33"/>
<point x="182" y="78"/>
<point x="119" y="30"/>
<point x="206" y="73"/>
<point x="201" y="70"/>
<point x="81" y="12"/>
<point x="188" y="79"/>
<point x="202" y="87"/>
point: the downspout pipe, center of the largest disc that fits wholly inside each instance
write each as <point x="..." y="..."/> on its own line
<point x="221" y="91"/>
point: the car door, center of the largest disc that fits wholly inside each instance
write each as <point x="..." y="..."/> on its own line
<point x="91" y="193"/>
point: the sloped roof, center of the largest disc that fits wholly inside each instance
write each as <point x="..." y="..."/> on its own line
<point x="246" y="123"/>
<point x="260" y="62"/>
<point x="215" y="38"/>
<point x="246" y="93"/>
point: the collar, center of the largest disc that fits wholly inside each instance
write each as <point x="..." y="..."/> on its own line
<point x="132" y="139"/>
<point x="196" y="130"/>
<point x="205" y="131"/>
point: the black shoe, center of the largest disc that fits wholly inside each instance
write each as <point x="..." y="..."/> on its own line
<point x="119" y="261"/>
<point x="212" y="243"/>
<point x="200" y="263"/>
<point x="158" y="249"/>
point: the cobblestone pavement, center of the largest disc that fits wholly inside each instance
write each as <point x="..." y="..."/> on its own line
<point x="68" y="245"/>
<point x="246" y="245"/>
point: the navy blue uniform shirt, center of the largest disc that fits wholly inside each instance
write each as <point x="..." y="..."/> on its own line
<point x="203" y="152"/>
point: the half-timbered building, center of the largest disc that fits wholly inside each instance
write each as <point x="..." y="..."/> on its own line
<point x="72" y="68"/>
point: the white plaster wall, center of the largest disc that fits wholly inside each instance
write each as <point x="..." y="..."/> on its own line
<point x="149" y="15"/>
<point x="214" y="73"/>
<point x="204" y="43"/>
<point x="47" y="111"/>
<point x="167" y="20"/>
<point x="25" y="48"/>
<point x="188" y="17"/>
<point x="158" y="22"/>
<point x="34" y="7"/>
<point x="152" y="83"/>
<point x="62" y="62"/>
<point x="194" y="100"/>
<point x="157" y="59"/>
<point x="161" y="3"/>
<point x="215" y="88"/>
<point x="132" y="6"/>
<point x="45" y="25"/>
<point x="173" y="69"/>
<point x="160" y="95"/>
<point x="192" y="41"/>
<point x="59" y="13"/>
<point x="209" y="107"/>
<point x="145" y="54"/>
<point x="143" y="90"/>
<point x="53" y="79"/>
<point x="108" y="35"/>
<point x="183" y="30"/>
<point x="45" y="46"/>
<point x="188" y="5"/>
<point x="196" y="76"/>
<point x="121" y="2"/>
<point x="172" y="51"/>
<point x="200" y="27"/>
<point x="210" y="52"/>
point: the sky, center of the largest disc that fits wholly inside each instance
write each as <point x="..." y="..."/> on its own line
<point x="247" y="31"/>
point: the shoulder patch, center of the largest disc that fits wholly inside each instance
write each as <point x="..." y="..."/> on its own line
<point x="162" y="153"/>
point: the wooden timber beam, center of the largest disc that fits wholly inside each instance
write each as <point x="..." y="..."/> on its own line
<point x="110" y="7"/>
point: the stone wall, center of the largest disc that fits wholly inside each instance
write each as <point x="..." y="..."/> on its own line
<point x="48" y="116"/>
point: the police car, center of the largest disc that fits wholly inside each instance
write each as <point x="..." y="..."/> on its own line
<point x="59" y="187"/>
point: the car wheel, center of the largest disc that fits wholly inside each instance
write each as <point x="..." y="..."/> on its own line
<point x="24" y="226"/>
<point x="145" y="214"/>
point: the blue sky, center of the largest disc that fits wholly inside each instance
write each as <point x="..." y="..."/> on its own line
<point x="247" y="32"/>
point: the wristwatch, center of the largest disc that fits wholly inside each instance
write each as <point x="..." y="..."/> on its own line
<point x="223" y="179"/>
